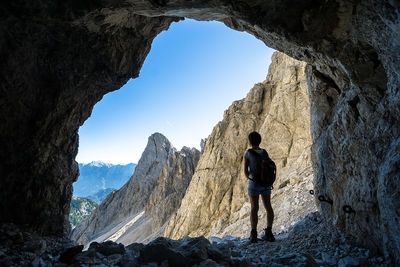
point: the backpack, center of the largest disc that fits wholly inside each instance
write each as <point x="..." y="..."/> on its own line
<point x="265" y="169"/>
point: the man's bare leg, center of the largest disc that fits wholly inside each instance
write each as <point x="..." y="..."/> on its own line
<point x="254" y="212"/>
<point x="266" y="199"/>
<point x="253" y="218"/>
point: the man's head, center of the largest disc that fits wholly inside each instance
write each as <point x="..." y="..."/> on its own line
<point x="254" y="138"/>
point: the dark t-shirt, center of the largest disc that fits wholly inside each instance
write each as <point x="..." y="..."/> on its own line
<point x="252" y="159"/>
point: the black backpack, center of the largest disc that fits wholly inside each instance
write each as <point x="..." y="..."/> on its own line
<point x="265" y="169"/>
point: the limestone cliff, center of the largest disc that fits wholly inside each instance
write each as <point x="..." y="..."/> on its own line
<point x="216" y="202"/>
<point x="144" y="204"/>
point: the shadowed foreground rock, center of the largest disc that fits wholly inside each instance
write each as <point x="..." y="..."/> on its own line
<point x="308" y="244"/>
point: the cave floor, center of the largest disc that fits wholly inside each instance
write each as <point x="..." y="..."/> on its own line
<point x="308" y="243"/>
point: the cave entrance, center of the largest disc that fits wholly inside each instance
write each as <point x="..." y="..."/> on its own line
<point x="198" y="67"/>
<point x="193" y="73"/>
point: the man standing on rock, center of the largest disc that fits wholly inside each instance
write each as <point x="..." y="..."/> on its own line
<point x="251" y="164"/>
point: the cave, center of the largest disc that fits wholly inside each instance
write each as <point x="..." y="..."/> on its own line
<point x="59" y="59"/>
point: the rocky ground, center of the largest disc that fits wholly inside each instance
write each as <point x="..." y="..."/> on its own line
<point x="307" y="244"/>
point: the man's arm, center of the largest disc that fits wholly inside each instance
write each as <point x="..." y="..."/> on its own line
<point x="246" y="167"/>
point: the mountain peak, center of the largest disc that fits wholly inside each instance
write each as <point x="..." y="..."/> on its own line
<point x="159" y="139"/>
<point x="99" y="163"/>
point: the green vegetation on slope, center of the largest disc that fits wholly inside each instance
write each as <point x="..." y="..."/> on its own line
<point x="101" y="195"/>
<point x="81" y="208"/>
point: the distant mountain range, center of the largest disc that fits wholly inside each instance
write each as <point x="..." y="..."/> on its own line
<point x="97" y="178"/>
<point x="101" y="195"/>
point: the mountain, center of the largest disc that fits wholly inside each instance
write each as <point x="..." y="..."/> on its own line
<point x="216" y="201"/>
<point x="140" y="210"/>
<point x="100" y="195"/>
<point x="81" y="208"/>
<point x="96" y="176"/>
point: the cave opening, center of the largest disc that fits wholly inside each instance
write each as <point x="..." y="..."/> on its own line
<point x="191" y="62"/>
<point x="194" y="72"/>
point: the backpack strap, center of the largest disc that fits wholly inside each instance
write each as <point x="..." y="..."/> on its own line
<point x="257" y="154"/>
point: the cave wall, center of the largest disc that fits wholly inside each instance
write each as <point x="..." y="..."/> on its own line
<point x="59" y="58"/>
<point x="53" y="71"/>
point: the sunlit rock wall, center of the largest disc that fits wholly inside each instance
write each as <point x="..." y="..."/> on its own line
<point x="216" y="202"/>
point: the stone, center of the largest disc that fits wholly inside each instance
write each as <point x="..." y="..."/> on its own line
<point x="127" y="261"/>
<point x="209" y="263"/>
<point x="160" y="250"/>
<point x="37" y="246"/>
<point x="68" y="255"/>
<point x="195" y="248"/>
<point x="328" y="259"/>
<point x="135" y="248"/>
<point x="36" y="262"/>
<point x="138" y="211"/>
<point x="108" y="248"/>
<point x="89" y="257"/>
<point x="114" y="258"/>
<point x="348" y="261"/>
<point x="216" y="201"/>
<point x="187" y="252"/>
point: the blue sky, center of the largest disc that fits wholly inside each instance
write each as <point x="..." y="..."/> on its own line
<point x="194" y="72"/>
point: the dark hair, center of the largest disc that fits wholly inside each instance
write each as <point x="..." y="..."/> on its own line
<point x="254" y="138"/>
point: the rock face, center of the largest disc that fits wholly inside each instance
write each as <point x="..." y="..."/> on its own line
<point x="138" y="211"/>
<point x="203" y="145"/>
<point x="59" y="59"/>
<point x="216" y="202"/>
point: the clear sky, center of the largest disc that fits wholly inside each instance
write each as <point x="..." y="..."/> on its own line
<point x="194" y="72"/>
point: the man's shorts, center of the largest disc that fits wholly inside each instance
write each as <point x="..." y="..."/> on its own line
<point x="254" y="189"/>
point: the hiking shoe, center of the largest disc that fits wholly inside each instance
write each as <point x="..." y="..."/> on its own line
<point x="268" y="236"/>
<point x="253" y="236"/>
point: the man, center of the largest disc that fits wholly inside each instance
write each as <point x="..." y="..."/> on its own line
<point x="255" y="190"/>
